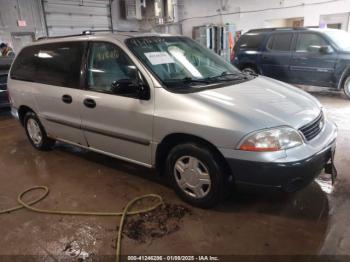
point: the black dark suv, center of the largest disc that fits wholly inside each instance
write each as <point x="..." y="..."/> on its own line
<point x="307" y="56"/>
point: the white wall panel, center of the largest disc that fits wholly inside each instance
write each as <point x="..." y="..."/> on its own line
<point x="241" y="12"/>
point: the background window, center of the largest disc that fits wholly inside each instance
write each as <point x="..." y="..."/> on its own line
<point x="251" y="41"/>
<point x="310" y="43"/>
<point x="280" y="42"/>
<point x="52" y="64"/>
<point x="108" y="64"/>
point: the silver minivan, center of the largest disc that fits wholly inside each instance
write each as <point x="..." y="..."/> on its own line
<point x="166" y="102"/>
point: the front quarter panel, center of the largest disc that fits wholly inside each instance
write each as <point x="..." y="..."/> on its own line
<point x="181" y="113"/>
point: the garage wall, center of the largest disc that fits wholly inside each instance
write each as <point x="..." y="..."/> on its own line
<point x="13" y="10"/>
<point x="246" y="18"/>
<point x="74" y="16"/>
<point x="119" y="22"/>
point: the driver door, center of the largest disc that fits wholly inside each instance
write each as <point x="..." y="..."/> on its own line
<point x="117" y="124"/>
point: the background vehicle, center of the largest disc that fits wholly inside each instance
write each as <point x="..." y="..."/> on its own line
<point x="5" y="64"/>
<point x="319" y="57"/>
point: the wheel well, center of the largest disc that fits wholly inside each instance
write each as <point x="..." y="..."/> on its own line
<point x="343" y="79"/>
<point x="22" y="111"/>
<point x="172" y="140"/>
<point x="251" y="65"/>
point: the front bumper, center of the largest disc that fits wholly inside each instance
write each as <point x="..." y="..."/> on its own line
<point x="289" y="176"/>
<point x="288" y="170"/>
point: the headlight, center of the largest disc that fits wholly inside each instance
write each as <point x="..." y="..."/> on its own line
<point x="274" y="139"/>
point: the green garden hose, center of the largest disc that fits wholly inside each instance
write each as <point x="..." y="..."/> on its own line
<point x="123" y="214"/>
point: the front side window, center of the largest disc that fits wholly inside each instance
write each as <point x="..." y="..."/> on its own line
<point x="310" y="43"/>
<point x="108" y="65"/>
<point x="57" y="64"/>
<point x="280" y="42"/>
<point x="181" y="63"/>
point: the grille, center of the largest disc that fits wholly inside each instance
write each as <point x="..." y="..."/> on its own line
<point x="312" y="129"/>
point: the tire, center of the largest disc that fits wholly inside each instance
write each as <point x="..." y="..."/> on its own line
<point x="197" y="160"/>
<point x="250" y="70"/>
<point x="346" y="86"/>
<point x="36" y="133"/>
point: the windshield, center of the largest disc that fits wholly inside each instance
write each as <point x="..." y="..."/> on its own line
<point x="340" y="38"/>
<point x="180" y="62"/>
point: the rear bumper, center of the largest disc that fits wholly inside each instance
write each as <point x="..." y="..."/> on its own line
<point x="289" y="176"/>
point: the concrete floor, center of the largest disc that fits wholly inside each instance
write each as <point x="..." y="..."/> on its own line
<point x="313" y="221"/>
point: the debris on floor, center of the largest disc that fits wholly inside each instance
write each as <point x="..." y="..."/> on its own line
<point x="73" y="249"/>
<point x="162" y="221"/>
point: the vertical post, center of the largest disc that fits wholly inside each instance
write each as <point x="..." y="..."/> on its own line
<point x="111" y="15"/>
<point x="44" y="17"/>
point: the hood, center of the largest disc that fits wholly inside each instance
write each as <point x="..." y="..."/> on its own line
<point x="263" y="103"/>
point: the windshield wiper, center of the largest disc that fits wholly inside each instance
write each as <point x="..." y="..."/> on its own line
<point x="228" y="77"/>
<point x="209" y="80"/>
<point x="194" y="80"/>
<point x="188" y="80"/>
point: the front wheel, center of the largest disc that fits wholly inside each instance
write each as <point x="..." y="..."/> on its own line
<point x="196" y="175"/>
<point x="36" y="132"/>
<point x="346" y="86"/>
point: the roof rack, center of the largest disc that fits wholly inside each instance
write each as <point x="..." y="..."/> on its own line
<point x="90" y="32"/>
<point x="54" y="37"/>
<point x="85" y="32"/>
<point x="281" y="29"/>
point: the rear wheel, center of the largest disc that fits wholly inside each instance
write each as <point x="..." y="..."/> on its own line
<point x="346" y="86"/>
<point x="36" y="132"/>
<point x="196" y="175"/>
<point x="250" y="70"/>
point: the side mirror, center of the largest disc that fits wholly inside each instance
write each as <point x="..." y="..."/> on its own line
<point x="326" y="50"/>
<point x="131" y="88"/>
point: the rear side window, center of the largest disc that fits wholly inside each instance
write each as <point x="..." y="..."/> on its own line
<point x="280" y="42"/>
<point x="52" y="64"/>
<point x="250" y="41"/>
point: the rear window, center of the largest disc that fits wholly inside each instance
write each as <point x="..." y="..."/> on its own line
<point x="280" y="42"/>
<point x="52" y="64"/>
<point x="250" y="41"/>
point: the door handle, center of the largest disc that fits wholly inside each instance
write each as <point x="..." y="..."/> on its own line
<point x="67" y="99"/>
<point x="88" y="102"/>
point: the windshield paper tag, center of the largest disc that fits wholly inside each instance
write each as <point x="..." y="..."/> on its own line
<point x="159" y="58"/>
